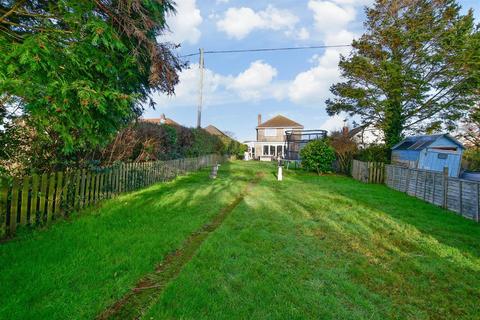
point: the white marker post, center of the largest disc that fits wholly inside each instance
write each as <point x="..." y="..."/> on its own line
<point x="280" y="171"/>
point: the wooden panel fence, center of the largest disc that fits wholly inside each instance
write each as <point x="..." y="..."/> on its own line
<point x="458" y="195"/>
<point x="368" y="172"/>
<point x="40" y="199"/>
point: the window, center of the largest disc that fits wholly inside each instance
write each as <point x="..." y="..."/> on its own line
<point x="279" y="150"/>
<point x="270" y="132"/>
<point x="272" y="150"/>
<point x="265" y="150"/>
<point x="442" y="156"/>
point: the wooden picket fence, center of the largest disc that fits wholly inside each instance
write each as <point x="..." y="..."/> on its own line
<point x="40" y="199"/>
<point x="368" y="172"/>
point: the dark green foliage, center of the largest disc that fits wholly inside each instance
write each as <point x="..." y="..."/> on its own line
<point x="318" y="156"/>
<point x="374" y="153"/>
<point x="415" y="68"/>
<point x="144" y="141"/>
<point x="77" y="71"/>
<point x="236" y="149"/>
<point x="471" y="158"/>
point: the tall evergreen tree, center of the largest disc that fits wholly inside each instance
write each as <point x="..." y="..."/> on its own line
<point x="77" y="70"/>
<point x="415" y="69"/>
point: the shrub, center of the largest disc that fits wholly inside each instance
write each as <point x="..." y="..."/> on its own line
<point x="345" y="149"/>
<point x="318" y="156"/>
<point x="471" y="158"/>
<point x="374" y="153"/>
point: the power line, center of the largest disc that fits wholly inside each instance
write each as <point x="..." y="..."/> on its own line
<point x="265" y="49"/>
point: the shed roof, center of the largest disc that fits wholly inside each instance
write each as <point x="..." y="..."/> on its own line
<point x="417" y="143"/>
<point x="280" y="122"/>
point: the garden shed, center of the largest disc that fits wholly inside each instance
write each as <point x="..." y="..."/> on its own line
<point x="430" y="152"/>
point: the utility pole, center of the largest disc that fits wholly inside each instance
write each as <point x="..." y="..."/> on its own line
<point x="200" y="96"/>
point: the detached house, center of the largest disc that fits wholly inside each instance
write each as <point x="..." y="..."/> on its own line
<point x="270" y="142"/>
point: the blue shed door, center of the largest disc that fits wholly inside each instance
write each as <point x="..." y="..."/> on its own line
<point x="436" y="161"/>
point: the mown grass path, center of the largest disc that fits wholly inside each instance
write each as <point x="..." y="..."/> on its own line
<point x="75" y="269"/>
<point x="134" y="304"/>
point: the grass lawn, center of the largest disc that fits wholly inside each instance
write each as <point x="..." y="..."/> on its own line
<point x="330" y="248"/>
<point x="77" y="268"/>
<point x="306" y="248"/>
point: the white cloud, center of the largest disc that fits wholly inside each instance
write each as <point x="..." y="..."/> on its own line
<point x="185" y="24"/>
<point x="239" y="22"/>
<point x="186" y="91"/>
<point x="354" y="2"/>
<point x="256" y="83"/>
<point x="334" y="123"/>
<point x="303" y="34"/>
<point x="330" y="16"/>
<point x="312" y="87"/>
<point x="298" y="34"/>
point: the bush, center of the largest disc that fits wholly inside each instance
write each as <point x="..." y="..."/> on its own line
<point x="471" y="158"/>
<point x="375" y="153"/>
<point x="145" y="141"/>
<point x="318" y="156"/>
<point x="345" y="149"/>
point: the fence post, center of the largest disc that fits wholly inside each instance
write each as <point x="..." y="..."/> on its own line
<point x="408" y="180"/>
<point x="24" y="201"/>
<point x="14" y="206"/>
<point x="3" y="206"/>
<point x="34" y="199"/>
<point x="50" y="200"/>
<point x="477" y="216"/>
<point x="460" y="197"/>
<point x="445" y="187"/>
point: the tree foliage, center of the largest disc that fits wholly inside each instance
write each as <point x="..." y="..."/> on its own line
<point x="470" y="131"/>
<point x="374" y="153"/>
<point x="414" y="69"/>
<point x="318" y="156"/>
<point x="345" y="149"/>
<point x="77" y="71"/>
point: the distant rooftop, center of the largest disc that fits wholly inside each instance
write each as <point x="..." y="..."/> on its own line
<point x="214" y="131"/>
<point x="162" y="120"/>
<point x="280" y="122"/>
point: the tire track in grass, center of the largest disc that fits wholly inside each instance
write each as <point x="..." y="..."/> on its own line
<point x="135" y="303"/>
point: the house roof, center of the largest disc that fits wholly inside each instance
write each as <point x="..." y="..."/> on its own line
<point x="214" y="131"/>
<point x="280" y="122"/>
<point x="421" y="142"/>
<point x="161" y="120"/>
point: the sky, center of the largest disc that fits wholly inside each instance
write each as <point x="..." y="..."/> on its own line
<point x="239" y="86"/>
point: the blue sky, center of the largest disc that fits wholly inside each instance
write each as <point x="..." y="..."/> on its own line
<point x="239" y="86"/>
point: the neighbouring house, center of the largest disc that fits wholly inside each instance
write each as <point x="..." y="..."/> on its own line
<point x="270" y="142"/>
<point x="216" y="132"/>
<point x="162" y="120"/>
<point x="430" y="152"/>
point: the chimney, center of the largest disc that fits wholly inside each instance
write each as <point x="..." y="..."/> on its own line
<point x="345" y="131"/>
<point x="259" y="119"/>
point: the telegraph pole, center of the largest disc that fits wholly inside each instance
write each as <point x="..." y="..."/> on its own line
<point x="200" y="96"/>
